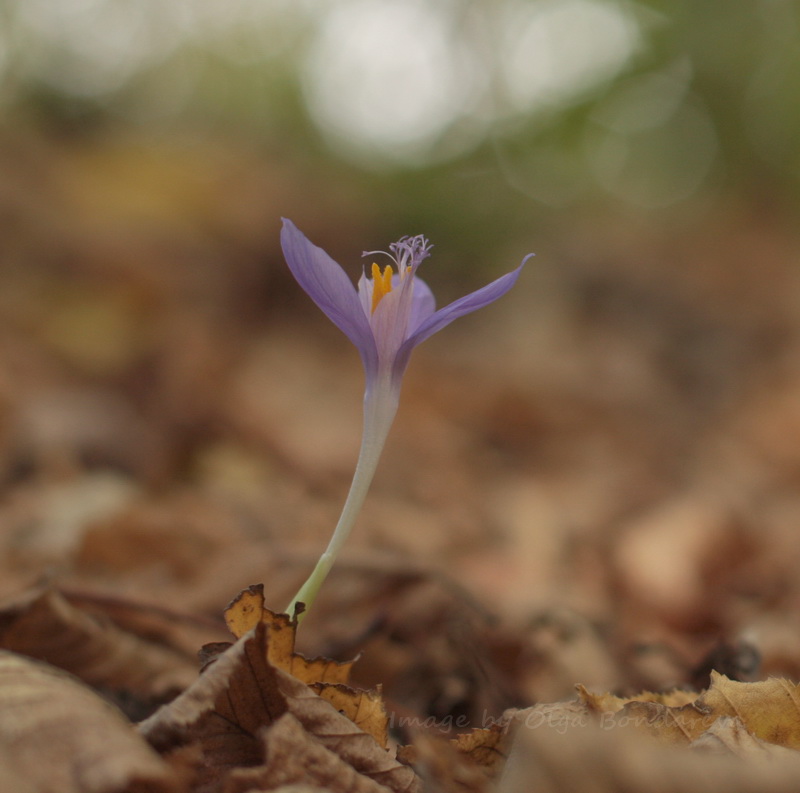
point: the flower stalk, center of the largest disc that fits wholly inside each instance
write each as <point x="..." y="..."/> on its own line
<point x="379" y="413"/>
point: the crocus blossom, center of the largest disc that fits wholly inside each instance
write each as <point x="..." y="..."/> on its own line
<point x="390" y="313"/>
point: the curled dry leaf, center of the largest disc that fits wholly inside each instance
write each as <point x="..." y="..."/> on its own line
<point x="44" y="625"/>
<point x="62" y="737"/>
<point x="241" y="694"/>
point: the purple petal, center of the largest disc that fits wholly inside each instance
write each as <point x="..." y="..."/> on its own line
<point x="458" y="308"/>
<point x="423" y="304"/>
<point x="329" y="287"/>
<point x="365" y="286"/>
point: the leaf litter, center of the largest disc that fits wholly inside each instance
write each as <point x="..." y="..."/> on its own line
<point x="606" y="500"/>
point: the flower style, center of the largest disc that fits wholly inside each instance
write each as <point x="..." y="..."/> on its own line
<point x="390" y="313"/>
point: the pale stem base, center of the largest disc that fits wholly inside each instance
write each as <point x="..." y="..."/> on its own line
<point x="380" y="406"/>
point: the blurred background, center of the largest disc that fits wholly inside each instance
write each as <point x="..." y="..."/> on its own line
<point x="615" y="444"/>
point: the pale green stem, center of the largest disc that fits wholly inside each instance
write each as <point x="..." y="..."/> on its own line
<point x="380" y="406"/>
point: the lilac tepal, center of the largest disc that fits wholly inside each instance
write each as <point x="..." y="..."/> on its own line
<point x="392" y="311"/>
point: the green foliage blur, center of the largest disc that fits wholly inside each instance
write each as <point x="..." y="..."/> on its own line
<point x="549" y="108"/>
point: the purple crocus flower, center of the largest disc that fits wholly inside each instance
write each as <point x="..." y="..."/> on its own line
<point x="390" y="313"/>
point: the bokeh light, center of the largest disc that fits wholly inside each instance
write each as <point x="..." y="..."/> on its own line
<point x="389" y="78"/>
<point x="552" y="51"/>
<point x="569" y="99"/>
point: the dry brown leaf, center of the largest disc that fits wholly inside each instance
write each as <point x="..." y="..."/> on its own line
<point x="157" y="622"/>
<point x="605" y="760"/>
<point x="222" y="712"/>
<point x="294" y="757"/>
<point x="62" y="737"/>
<point x="14" y="778"/>
<point x="44" y="625"/>
<point x="240" y="694"/>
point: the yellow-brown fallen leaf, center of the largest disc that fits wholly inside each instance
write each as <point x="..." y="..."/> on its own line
<point x="242" y="693"/>
<point x="769" y="709"/>
<point x="247" y="610"/>
<point x="62" y="737"/>
<point x="363" y="708"/>
<point x="294" y="757"/>
<point x="244" y="612"/>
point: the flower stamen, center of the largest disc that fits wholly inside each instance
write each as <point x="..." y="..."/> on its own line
<point x="381" y="284"/>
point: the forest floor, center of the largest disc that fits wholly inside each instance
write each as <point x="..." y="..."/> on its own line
<point x="593" y="483"/>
